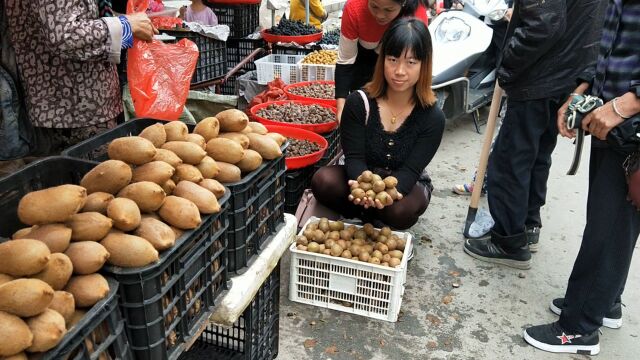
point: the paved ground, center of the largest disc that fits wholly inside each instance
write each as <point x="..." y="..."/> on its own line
<point x="485" y="316"/>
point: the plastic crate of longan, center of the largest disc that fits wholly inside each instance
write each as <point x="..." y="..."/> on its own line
<point x="347" y="285"/>
<point x="255" y="336"/>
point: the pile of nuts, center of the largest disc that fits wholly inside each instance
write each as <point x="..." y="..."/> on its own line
<point x="321" y="57"/>
<point x="301" y="147"/>
<point x="315" y="90"/>
<point x="297" y="113"/>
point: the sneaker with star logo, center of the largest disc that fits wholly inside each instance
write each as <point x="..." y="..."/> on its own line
<point x="552" y="338"/>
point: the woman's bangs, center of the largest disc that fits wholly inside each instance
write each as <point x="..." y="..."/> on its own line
<point x="398" y="41"/>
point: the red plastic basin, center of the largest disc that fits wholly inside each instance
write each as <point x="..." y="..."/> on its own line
<point x="316" y="128"/>
<point x="297" y="162"/>
<point x="299" y="39"/>
<point x="330" y="102"/>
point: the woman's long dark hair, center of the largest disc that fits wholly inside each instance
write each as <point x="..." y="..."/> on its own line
<point x="406" y="34"/>
<point x="409" y="7"/>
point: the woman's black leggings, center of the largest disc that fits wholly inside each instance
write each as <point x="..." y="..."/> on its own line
<point x="330" y="187"/>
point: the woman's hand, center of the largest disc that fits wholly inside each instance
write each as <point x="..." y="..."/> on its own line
<point x="141" y="26"/>
<point x="601" y="120"/>
<point x="368" y="202"/>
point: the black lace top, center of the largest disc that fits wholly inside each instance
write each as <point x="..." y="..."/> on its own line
<point x="403" y="153"/>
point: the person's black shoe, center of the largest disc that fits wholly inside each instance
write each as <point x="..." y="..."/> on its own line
<point x="487" y="250"/>
<point x="612" y="319"/>
<point x="533" y="235"/>
<point x="552" y="338"/>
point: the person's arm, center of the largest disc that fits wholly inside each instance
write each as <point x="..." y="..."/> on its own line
<point x="213" y="19"/>
<point x="427" y="145"/>
<point x="352" y="136"/>
<point x="541" y="25"/>
<point x="315" y="6"/>
<point x="347" y="53"/>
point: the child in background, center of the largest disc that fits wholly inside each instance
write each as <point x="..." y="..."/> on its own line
<point x="198" y="12"/>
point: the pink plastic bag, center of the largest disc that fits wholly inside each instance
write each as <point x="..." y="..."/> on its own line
<point x="159" y="74"/>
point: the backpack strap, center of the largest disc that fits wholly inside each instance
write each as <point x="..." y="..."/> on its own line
<point x="366" y="106"/>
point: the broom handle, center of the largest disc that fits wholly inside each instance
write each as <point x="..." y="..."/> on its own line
<point x="486" y="146"/>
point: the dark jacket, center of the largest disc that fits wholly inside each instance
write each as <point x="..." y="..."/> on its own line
<point x="549" y="43"/>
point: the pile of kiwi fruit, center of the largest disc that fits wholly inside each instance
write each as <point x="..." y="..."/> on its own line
<point x="374" y="187"/>
<point x="365" y="244"/>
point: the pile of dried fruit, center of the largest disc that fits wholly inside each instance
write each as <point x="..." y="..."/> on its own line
<point x="315" y="90"/>
<point x="366" y="244"/>
<point x="301" y="147"/>
<point x="297" y="113"/>
<point x="321" y="57"/>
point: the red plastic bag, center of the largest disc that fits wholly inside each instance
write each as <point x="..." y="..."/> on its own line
<point x="159" y="74"/>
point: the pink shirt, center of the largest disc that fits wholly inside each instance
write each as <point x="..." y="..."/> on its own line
<point x="204" y="17"/>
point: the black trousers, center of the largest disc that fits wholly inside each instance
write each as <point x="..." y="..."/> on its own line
<point x="519" y="165"/>
<point x="601" y="268"/>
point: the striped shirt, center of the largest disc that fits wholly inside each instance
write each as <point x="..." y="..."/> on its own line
<point x="618" y="67"/>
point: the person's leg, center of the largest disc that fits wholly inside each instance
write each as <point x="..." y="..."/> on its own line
<point x="540" y="173"/>
<point x="403" y="214"/>
<point x="610" y="235"/>
<point x="330" y="187"/>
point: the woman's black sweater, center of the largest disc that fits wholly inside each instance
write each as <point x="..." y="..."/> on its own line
<point x="404" y="153"/>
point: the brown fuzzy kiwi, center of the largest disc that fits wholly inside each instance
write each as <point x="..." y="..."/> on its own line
<point x="189" y="152"/>
<point x="156" y="233"/>
<point x="52" y="205"/>
<point x="250" y="161"/>
<point x="148" y="195"/>
<point x="56" y="236"/>
<point x="109" y="176"/>
<point x="204" y="199"/>
<point x="57" y="272"/>
<point x="181" y="213"/>
<point x="208" y="168"/>
<point x="232" y="120"/>
<point x="87" y="290"/>
<point x="15" y="335"/>
<point x="97" y="202"/>
<point x="134" y="150"/>
<point x="225" y="150"/>
<point x="176" y="130"/>
<point x="229" y="173"/>
<point x="155" y="133"/>
<point x="265" y="146"/>
<point x="25" y="297"/>
<point x="64" y="303"/>
<point x="208" y="128"/>
<point x="124" y="213"/>
<point x="89" y="226"/>
<point x="168" y="157"/>
<point x="187" y="172"/>
<point x="129" y="250"/>
<point x="23" y="257"/>
<point x="214" y="186"/>
<point x="155" y="171"/>
<point x="87" y="257"/>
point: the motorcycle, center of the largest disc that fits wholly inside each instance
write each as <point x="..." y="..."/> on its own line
<point x="464" y="71"/>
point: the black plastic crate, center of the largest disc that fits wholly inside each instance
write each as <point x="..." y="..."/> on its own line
<point x="212" y="62"/>
<point x="239" y="49"/>
<point x="243" y="19"/>
<point x="333" y="138"/>
<point x="230" y="87"/>
<point x="296" y="182"/>
<point x="255" y="336"/>
<point x="243" y="236"/>
<point x="166" y="302"/>
<point x="99" y="335"/>
<point x="293" y="50"/>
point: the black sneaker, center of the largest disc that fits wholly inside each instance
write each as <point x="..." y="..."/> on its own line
<point x="552" y="338"/>
<point x="486" y="250"/>
<point x="533" y="235"/>
<point x="612" y="319"/>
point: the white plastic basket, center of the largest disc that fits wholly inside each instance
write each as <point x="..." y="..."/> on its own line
<point x="348" y="285"/>
<point x="280" y="66"/>
<point x="313" y="72"/>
